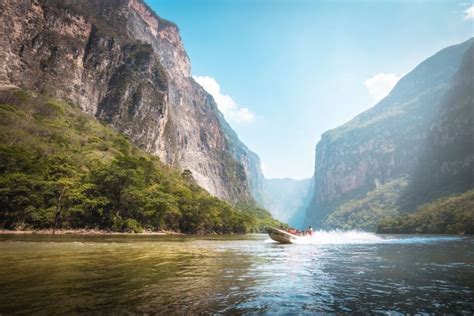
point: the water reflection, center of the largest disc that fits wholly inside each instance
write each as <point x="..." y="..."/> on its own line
<point x="235" y="274"/>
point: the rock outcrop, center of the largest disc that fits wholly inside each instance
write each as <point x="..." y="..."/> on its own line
<point x="364" y="168"/>
<point x="125" y="65"/>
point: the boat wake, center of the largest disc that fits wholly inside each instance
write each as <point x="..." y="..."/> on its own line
<point x="335" y="237"/>
<point x="322" y="237"/>
<point x="341" y="237"/>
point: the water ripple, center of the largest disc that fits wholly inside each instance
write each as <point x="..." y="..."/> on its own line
<point x="334" y="272"/>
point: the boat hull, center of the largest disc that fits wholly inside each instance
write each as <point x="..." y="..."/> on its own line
<point x="282" y="236"/>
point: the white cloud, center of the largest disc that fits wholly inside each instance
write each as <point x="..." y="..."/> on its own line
<point x="469" y="13"/>
<point x="231" y="110"/>
<point x="380" y="85"/>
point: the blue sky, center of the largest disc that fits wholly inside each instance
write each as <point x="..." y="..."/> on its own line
<point x="283" y="72"/>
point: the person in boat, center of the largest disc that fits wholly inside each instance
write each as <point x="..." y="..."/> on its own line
<point x="310" y="231"/>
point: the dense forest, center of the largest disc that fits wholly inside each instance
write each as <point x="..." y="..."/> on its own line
<point x="60" y="168"/>
<point x="449" y="215"/>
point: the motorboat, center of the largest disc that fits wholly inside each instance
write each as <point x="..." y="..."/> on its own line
<point x="281" y="236"/>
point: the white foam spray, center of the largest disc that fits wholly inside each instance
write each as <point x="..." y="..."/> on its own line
<point x="340" y="237"/>
<point x="337" y="237"/>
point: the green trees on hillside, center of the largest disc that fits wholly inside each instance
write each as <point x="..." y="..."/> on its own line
<point x="365" y="213"/>
<point x="62" y="169"/>
<point x="449" y="215"/>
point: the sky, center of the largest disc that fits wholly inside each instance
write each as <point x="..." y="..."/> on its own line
<point x="285" y="71"/>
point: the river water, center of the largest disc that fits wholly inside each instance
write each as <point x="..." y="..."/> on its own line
<point x="334" y="272"/>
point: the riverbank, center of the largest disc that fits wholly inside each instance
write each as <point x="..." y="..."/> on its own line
<point x="82" y="232"/>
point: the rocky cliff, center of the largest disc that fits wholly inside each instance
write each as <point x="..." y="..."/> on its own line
<point x="447" y="163"/>
<point x="363" y="168"/>
<point x="125" y="65"/>
<point x="249" y="160"/>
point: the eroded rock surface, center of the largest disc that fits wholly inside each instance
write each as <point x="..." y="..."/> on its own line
<point x="125" y="65"/>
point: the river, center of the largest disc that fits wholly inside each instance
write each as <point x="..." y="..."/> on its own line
<point x="335" y="272"/>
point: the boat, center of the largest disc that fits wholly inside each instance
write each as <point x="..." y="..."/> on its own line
<point x="281" y="236"/>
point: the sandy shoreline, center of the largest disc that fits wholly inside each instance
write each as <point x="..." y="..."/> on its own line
<point x="82" y="232"/>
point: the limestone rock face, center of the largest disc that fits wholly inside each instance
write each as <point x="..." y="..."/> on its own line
<point x="447" y="162"/>
<point x="122" y="63"/>
<point x="364" y="167"/>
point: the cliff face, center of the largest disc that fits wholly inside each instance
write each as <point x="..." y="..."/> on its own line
<point x="125" y="65"/>
<point x="447" y="163"/>
<point x="249" y="160"/>
<point x="363" y="168"/>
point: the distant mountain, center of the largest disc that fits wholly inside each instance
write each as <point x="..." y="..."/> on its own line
<point x="287" y="199"/>
<point x="366" y="168"/>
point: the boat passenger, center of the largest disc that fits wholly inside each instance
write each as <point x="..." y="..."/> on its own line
<point x="310" y="231"/>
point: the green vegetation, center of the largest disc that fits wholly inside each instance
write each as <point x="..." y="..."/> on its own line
<point x="365" y="213"/>
<point x="449" y="215"/>
<point x="60" y="168"/>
